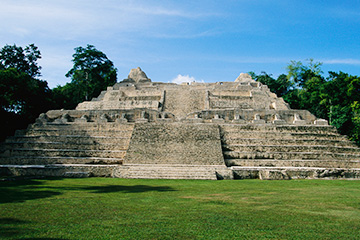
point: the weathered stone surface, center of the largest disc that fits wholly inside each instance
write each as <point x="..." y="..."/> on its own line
<point x="71" y="170"/>
<point x="138" y="75"/>
<point x="174" y="171"/>
<point x="244" y="77"/>
<point x="273" y="175"/>
<point x="143" y="129"/>
<point x="175" y="143"/>
<point x="321" y="122"/>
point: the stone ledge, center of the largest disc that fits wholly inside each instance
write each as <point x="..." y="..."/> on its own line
<point x="287" y="173"/>
<point x="176" y="171"/>
<point x="58" y="170"/>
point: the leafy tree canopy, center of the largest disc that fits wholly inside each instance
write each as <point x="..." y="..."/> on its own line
<point x="23" y="97"/>
<point x="23" y="59"/>
<point x="300" y="73"/>
<point x="91" y="73"/>
<point x="280" y="86"/>
<point x="22" y="94"/>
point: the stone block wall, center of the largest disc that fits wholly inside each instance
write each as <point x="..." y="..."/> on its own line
<point x="175" y="143"/>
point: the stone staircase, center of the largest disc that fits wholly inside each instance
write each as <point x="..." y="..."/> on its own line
<point x="144" y="129"/>
<point x="66" y="149"/>
<point x="173" y="171"/>
<point x="269" y="148"/>
<point x="264" y="151"/>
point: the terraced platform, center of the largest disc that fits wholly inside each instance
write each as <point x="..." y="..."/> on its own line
<point x="247" y="151"/>
<point x="287" y="151"/>
<point x="173" y="171"/>
<point x="141" y="129"/>
<point x="90" y="149"/>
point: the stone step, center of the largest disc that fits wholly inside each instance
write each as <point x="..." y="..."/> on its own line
<point x="71" y="139"/>
<point x="274" y="128"/>
<point x="66" y="145"/>
<point x="67" y="153"/>
<point x="298" y="141"/>
<point x="87" y="126"/>
<point x="293" y="163"/>
<point x="290" y="155"/>
<point x="162" y="171"/>
<point x="279" y="135"/>
<point x="280" y="173"/>
<point x="45" y="160"/>
<point x="289" y="148"/>
<point x="170" y="166"/>
<point x="70" y="132"/>
<point x="59" y="170"/>
<point x="169" y="174"/>
<point x="76" y="174"/>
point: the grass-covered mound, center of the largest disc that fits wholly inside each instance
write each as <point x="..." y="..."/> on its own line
<point x="105" y="208"/>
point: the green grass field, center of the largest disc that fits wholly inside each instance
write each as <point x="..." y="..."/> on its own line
<point x="106" y="208"/>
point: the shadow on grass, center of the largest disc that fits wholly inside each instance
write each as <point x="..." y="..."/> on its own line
<point x="128" y="189"/>
<point x="15" y="196"/>
<point x="20" y="190"/>
<point x="12" y="227"/>
<point x="23" y="190"/>
<point x="43" y="238"/>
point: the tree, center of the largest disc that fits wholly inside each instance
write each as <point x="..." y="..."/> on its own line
<point x="91" y="73"/>
<point x="280" y="86"/>
<point x="23" y="97"/>
<point x="355" y="131"/>
<point x="342" y="98"/>
<point x="23" y="60"/>
<point x="22" y="94"/>
<point x="308" y="87"/>
<point x="336" y="98"/>
<point x="300" y="73"/>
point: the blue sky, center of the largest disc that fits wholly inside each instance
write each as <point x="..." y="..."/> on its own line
<point x="187" y="40"/>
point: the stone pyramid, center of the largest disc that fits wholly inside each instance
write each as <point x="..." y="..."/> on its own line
<point x="143" y="129"/>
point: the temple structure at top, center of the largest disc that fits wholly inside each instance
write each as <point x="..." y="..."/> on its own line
<point x="144" y="129"/>
<point x="241" y="101"/>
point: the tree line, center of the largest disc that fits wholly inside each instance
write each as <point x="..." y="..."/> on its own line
<point x="24" y="95"/>
<point x="335" y="98"/>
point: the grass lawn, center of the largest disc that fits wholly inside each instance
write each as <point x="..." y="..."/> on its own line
<point x="108" y="208"/>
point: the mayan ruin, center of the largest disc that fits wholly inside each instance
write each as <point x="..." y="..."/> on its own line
<point x="144" y="129"/>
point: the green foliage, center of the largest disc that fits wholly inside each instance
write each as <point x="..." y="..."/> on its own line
<point x="342" y="95"/>
<point x="280" y="86"/>
<point x="22" y="94"/>
<point x="99" y="208"/>
<point x="91" y="73"/>
<point x="300" y="73"/>
<point x="293" y="98"/>
<point x="355" y="134"/>
<point x="22" y="59"/>
<point x="23" y="97"/>
<point x="309" y="87"/>
<point x="335" y="98"/>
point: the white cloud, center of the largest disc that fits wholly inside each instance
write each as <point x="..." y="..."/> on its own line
<point x="75" y="19"/>
<point x="161" y="11"/>
<point x="348" y="61"/>
<point x="347" y="12"/>
<point x="184" y="79"/>
<point x="187" y="35"/>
